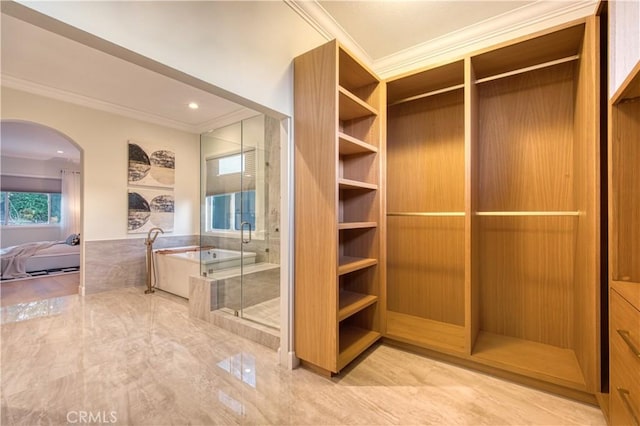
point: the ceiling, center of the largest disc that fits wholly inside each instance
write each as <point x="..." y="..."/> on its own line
<point x="28" y="140"/>
<point x="382" y="28"/>
<point x="385" y="34"/>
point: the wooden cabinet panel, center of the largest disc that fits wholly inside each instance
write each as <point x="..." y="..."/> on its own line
<point x="625" y="361"/>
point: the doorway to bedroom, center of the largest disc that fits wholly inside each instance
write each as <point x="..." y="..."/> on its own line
<point x="40" y="213"/>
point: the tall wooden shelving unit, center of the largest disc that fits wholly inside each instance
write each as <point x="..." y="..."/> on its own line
<point x="493" y="198"/>
<point x="339" y="141"/>
<point x="624" y="248"/>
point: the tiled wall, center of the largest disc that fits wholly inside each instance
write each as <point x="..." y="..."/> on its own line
<point x="122" y="263"/>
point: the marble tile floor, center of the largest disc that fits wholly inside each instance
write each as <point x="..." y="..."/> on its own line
<point x="267" y="313"/>
<point x="123" y="357"/>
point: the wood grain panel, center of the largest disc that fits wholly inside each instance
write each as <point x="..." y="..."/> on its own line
<point x="361" y="167"/>
<point x="533" y="51"/>
<point x="587" y="201"/>
<point x="526" y="141"/>
<point x="364" y="281"/>
<point x="526" y="277"/>
<point x="425" y="154"/>
<point x="471" y="196"/>
<point x="626" y="187"/>
<point x="425" y="267"/>
<point x="359" y="243"/>
<point x="625" y="364"/>
<point x="533" y="359"/>
<point x="353" y="73"/>
<point x="316" y="258"/>
<point x="359" y="205"/>
<point x="425" y="81"/>
<point x="425" y="332"/>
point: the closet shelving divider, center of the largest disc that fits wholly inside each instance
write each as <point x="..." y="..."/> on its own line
<point x="339" y="115"/>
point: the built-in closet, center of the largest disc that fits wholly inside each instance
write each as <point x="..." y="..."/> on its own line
<point x="480" y="233"/>
<point x="492" y="209"/>
<point x="624" y="249"/>
<point x="339" y="140"/>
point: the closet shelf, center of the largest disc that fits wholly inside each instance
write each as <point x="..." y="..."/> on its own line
<point x="527" y="69"/>
<point x="436" y="214"/>
<point x="350" y="145"/>
<point x="356" y="225"/>
<point x="351" y="106"/>
<point x="531" y="358"/>
<point x="347" y="264"/>
<point x="427" y="94"/>
<point x="354" y="184"/>
<point x="529" y="213"/>
<point x="354" y="341"/>
<point x="351" y="303"/>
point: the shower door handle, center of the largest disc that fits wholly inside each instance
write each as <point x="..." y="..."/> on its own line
<point x="242" y="232"/>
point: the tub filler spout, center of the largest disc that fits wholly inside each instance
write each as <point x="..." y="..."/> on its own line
<point x="149" y="243"/>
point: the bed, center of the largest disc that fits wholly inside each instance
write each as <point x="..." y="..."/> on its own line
<point x="23" y="260"/>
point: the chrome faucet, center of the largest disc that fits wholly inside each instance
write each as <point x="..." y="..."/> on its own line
<point x="149" y="243"/>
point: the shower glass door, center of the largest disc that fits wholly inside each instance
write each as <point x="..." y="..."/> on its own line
<point x="239" y="215"/>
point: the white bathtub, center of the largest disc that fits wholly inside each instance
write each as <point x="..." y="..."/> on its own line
<point x="174" y="266"/>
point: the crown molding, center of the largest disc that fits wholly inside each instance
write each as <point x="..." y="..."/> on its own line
<point x="518" y="22"/>
<point x="319" y="19"/>
<point x="524" y="20"/>
<point x="85" y="101"/>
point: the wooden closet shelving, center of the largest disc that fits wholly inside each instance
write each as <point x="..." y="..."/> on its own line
<point x="426" y="209"/>
<point x="338" y="207"/>
<point x="472" y="228"/>
<point x="507" y="138"/>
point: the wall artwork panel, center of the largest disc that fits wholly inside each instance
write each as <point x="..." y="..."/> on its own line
<point x="151" y="166"/>
<point x="149" y="208"/>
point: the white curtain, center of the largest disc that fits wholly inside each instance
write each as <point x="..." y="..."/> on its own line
<point x="70" y="204"/>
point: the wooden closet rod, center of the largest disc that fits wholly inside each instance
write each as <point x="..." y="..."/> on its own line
<point x="426" y="95"/>
<point x="527" y="69"/>
<point x="425" y="214"/>
<point x="529" y="213"/>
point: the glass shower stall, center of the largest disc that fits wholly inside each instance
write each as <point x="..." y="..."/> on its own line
<point x="240" y="218"/>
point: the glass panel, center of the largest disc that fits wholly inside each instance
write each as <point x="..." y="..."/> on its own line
<point x="241" y="211"/>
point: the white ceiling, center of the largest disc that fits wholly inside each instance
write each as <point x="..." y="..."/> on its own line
<point x="389" y="35"/>
<point x="382" y="28"/>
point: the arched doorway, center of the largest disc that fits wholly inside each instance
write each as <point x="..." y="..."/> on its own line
<point x="40" y="213"/>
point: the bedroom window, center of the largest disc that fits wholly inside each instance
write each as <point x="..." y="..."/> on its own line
<point x="29" y="208"/>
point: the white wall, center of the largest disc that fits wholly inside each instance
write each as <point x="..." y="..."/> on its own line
<point x="244" y="47"/>
<point x="624" y="40"/>
<point x="103" y="138"/>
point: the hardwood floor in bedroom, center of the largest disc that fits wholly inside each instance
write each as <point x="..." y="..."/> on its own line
<point x="38" y="288"/>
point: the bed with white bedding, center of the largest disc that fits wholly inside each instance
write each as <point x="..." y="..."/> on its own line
<point x="19" y="261"/>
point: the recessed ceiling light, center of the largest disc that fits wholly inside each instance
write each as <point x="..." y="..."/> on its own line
<point x="193" y="105"/>
<point x="60" y="151"/>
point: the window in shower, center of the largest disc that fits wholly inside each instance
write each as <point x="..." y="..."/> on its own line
<point x="225" y="212"/>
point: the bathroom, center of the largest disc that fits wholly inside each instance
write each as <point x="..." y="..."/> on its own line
<point x="238" y="255"/>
